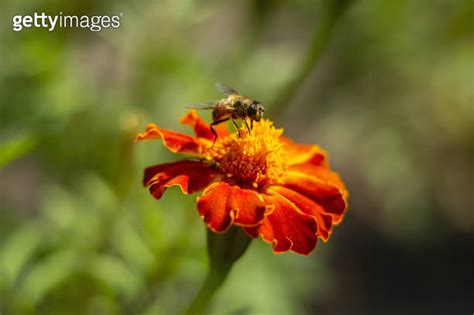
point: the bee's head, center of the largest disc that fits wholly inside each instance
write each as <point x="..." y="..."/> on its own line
<point x="255" y="110"/>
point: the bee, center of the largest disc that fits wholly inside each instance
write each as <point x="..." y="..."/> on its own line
<point x="234" y="106"/>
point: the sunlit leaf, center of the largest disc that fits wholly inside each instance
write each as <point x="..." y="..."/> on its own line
<point x="132" y="246"/>
<point x="16" y="251"/>
<point x="15" y="149"/>
<point x="116" y="274"/>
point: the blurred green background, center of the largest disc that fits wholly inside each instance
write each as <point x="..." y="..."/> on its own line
<point x="385" y="86"/>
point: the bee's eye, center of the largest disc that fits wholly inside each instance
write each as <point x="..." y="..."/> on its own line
<point x="252" y="110"/>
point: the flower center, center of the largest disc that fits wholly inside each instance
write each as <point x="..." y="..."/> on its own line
<point x="255" y="158"/>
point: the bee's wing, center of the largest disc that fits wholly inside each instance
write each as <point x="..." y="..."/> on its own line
<point x="207" y="105"/>
<point x="225" y="89"/>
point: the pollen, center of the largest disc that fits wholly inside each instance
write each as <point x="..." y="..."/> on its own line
<point x="255" y="158"/>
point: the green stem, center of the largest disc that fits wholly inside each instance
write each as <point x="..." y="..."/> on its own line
<point x="333" y="10"/>
<point x="223" y="250"/>
<point x="214" y="279"/>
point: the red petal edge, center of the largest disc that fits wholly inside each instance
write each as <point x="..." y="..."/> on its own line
<point x="320" y="188"/>
<point x="190" y="176"/>
<point x="175" y="141"/>
<point x="287" y="228"/>
<point x="201" y="128"/>
<point x="309" y="207"/>
<point x="222" y="205"/>
<point x="303" y="153"/>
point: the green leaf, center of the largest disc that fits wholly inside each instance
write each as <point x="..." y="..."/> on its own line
<point x="15" y="149"/>
<point x="16" y="251"/>
<point x="49" y="273"/>
<point x="116" y="274"/>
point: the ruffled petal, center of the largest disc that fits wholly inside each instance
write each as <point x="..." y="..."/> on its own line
<point x="222" y="205"/>
<point x="175" y="141"/>
<point x="308" y="206"/>
<point x="286" y="227"/>
<point x="190" y="176"/>
<point x="201" y="128"/>
<point x="320" y="185"/>
<point x="322" y="172"/>
<point x="303" y="153"/>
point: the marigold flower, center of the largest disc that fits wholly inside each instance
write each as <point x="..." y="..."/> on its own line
<point x="261" y="181"/>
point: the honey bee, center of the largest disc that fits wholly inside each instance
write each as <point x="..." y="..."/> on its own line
<point x="234" y="106"/>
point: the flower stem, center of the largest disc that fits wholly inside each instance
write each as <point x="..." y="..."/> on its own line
<point x="214" y="279"/>
<point x="333" y="10"/>
<point x="223" y="250"/>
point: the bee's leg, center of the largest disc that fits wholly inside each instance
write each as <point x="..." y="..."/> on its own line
<point x="236" y="127"/>
<point x="251" y="123"/>
<point x="247" y="124"/>
<point x="214" y="131"/>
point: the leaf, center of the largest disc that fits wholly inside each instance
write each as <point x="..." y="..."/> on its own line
<point x="116" y="274"/>
<point x="15" y="149"/>
<point x="16" y="251"/>
<point x="48" y="273"/>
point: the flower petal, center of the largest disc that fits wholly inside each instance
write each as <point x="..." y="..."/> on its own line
<point x="303" y="153"/>
<point x="320" y="185"/>
<point x="175" y="141"/>
<point x="321" y="171"/>
<point x="308" y="206"/>
<point x="286" y="227"/>
<point x="222" y="205"/>
<point x="190" y="176"/>
<point x="201" y="128"/>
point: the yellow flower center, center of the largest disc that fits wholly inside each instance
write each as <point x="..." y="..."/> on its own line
<point x="255" y="158"/>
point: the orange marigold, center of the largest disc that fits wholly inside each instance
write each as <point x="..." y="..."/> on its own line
<point x="261" y="181"/>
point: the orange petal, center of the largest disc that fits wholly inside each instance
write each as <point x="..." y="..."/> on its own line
<point x="322" y="172"/>
<point x="190" y="176"/>
<point x="308" y="206"/>
<point x="222" y="205"/>
<point x="303" y="153"/>
<point x="201" y="128"/>
<point x="319" y="186"/>
<point x="287" y="228"/>
<point x="175" y="141"/>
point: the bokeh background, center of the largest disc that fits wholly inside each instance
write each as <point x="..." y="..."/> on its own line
<point x="385" y="86"/>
